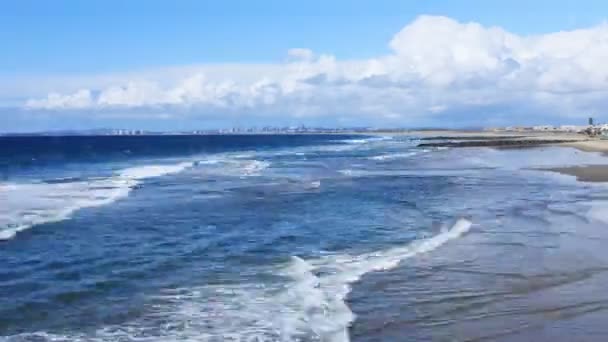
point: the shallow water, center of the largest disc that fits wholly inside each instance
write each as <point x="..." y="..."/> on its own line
<point x="297" y="238"/>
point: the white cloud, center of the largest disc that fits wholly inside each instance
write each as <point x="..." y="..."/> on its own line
<point x="437" y="67"/>
<point x="80" y="99"/>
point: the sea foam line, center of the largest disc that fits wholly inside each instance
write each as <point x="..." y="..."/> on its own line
<point x="392" y="156"/>
<point x="30" y="204"/>
<point x="311" y="306"/>
<point x="320" y="303"/>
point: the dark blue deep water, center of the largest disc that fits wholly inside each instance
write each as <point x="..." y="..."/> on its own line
<point x="296" y="238"/>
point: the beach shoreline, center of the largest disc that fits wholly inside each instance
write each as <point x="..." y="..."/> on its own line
<point x="590" y="145"/>
<point x="584" y="173"/>
<point x="514" y="140"/>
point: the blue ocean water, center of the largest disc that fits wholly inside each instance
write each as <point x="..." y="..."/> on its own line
<point x="296" y="238"/>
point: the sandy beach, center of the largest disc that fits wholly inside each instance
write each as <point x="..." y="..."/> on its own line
<point x="585" y="173"/>
<point x="590" y="145"/>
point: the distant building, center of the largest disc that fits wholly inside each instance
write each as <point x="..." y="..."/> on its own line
<point x="543" y="128"/>
<point x="590" y="121"/>
<point x="572" y="128"/>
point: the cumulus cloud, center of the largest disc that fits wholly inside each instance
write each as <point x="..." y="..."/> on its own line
<point x="80" y="99"/>
<point x="437" y="67"/>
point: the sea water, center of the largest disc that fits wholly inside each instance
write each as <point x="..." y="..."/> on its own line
<point x="297" y="238"/>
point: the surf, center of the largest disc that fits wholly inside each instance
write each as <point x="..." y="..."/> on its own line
<point x="310" y="304"/>
<point x="30" y="204"/>
<point x="318" y="291"/>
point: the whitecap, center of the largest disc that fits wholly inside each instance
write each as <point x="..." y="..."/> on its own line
<point x="355" y="141"/>
<point x="310" y="305"/>
<point x="29" y="204"/>
<point x="235" y="166"/>
<point x="151" y="171"/>
<point x="254" y="167"/>
<point x="315" y="184"/>
<point x="393" y="156"/>
<point x="598" y="211"/>
<point x="322" y="300"/>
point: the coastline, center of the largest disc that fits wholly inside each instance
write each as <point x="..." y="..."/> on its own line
<point x="590" y="145"/>
<point x="499" y="139"/>
<point x="481" y="206"/>
<point x="585" y="173"/>
<point x="511" y="140"/>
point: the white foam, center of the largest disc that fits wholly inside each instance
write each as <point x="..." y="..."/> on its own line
<point x="231" y="165"/>
<point x="407" y="172"/>
<point x="393" y="156"/>
<point x="356" y="141"/>
<point x="314" y="184"/>
<point x="335" y="146"/>
<point x="598" y="211"/>
<point x="316" y="304"/>
<point x="254" y="167"/>
<point x="29" y="204"/>
<point x="309" y="306"/>
<point x="151" y="171"/>
<point x="367" y="140"/>
<point x="310" y="309"/>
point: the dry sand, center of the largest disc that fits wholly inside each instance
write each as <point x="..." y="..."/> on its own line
<point x="594" y="145"/>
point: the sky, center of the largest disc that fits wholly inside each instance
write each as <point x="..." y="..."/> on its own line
<point x="174" y="65"/>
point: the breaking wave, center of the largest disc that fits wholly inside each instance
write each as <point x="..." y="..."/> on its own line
<point x="366" y="140"/>
<point x="598" y="211"/>
<point x="233" y="166"/>
<point x="29" y="204"/>
<point x="309" y="305"/>
<point x="320" y="287"/>
<point x="393" y="156"/>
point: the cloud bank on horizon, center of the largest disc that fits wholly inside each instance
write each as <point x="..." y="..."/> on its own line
<point x="439" y="71"/>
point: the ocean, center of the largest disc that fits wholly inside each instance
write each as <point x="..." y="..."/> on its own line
<point x="297" y="238"/>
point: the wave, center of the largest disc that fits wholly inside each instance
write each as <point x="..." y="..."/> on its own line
<point x="26" y="205"/>
<point x="366" y="140"/>
<point x="393" y="156"/>
<point x="254" y="167"/>
<point x="598" y="211"/>
<point x="232" y="166"/>
<point x="409" y="173"/>
<point x="342" y="145"/>
<point x="321" y="298"/>
<point x="29" y="204"/>
<point x="355" y="141"/>
<point x="309" y="306"/>
<point x="151" y="171"/>
<point x="314" y="184"/>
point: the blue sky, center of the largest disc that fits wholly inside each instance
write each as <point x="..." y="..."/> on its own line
<point x="84" y="36"/>
<point x="66" y="46"/>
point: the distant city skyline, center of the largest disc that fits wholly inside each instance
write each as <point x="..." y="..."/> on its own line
<point x="191" y="65"/>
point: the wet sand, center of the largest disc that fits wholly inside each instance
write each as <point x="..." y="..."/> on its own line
<point x="588" y="173"/>
<point x="499" y="143"/>
<point x="506" y="139"/>
<point x="510" y="140"/>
